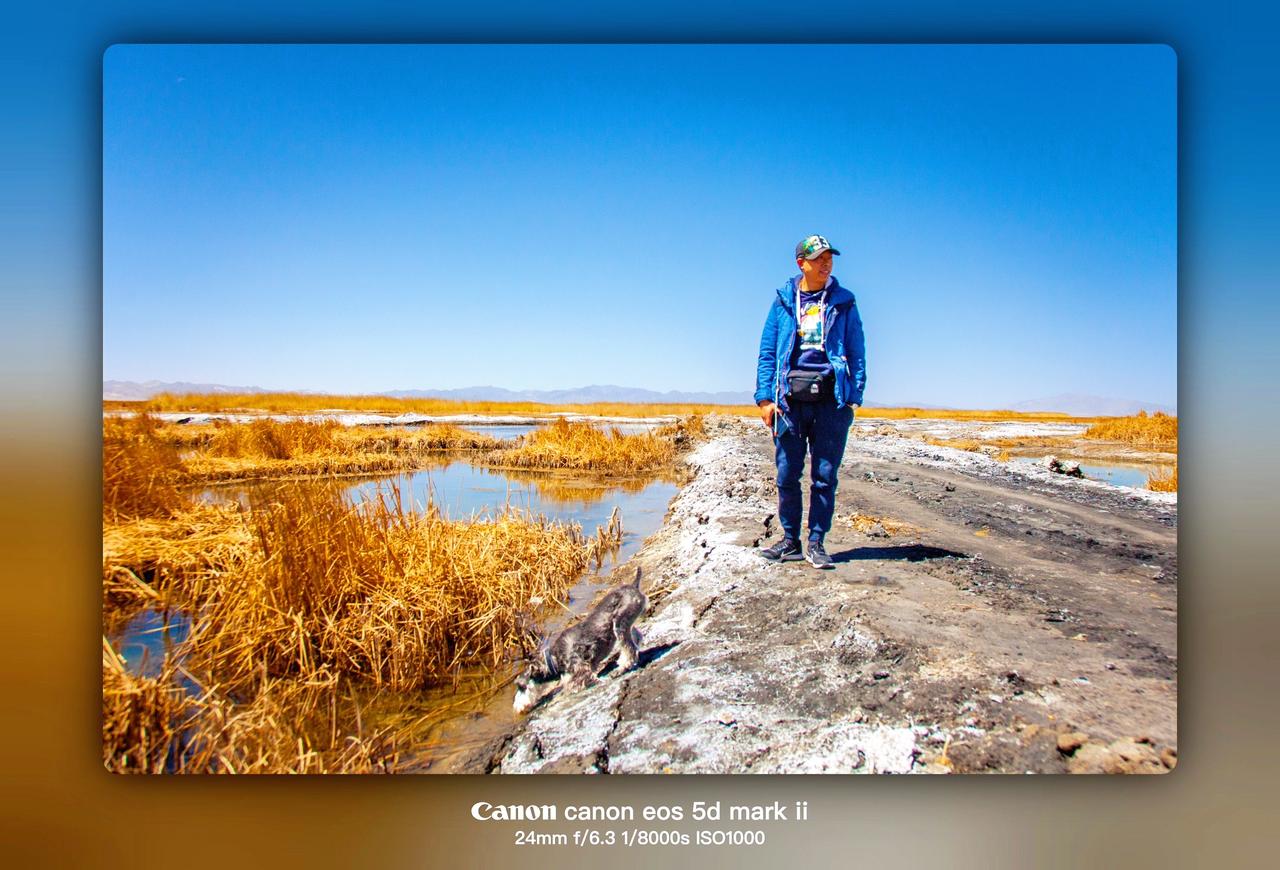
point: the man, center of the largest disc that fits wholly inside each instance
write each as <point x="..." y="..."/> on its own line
<point x="810" y="377"/>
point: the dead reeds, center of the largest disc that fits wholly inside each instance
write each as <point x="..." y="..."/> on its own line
<point x="145" y="720"/>
<point x="583" y="447"/>
<point x="142" y="474"/>
<point x="267" y="448"/>
<point x="1163" y="479"/>
<point x="174" y="557"/>
<point x="399" y="598"/>
<point x="1155" y="432"/>
<point x="169" y="724"/>
<point x="970" y="445"/>
<point x="308" y="403"/>
<point x="304" y="606"/>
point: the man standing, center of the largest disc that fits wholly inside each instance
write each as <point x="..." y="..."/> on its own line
<point x="809" y="378"/>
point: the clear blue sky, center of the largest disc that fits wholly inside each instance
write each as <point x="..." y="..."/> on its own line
<point x="369" y="218"/>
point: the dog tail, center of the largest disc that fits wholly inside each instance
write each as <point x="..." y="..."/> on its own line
<point x="636" y="582"/>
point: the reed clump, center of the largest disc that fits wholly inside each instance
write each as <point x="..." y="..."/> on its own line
<point x="175" y="558"/>
<point x="1164" y="479"/>
<point x="584" y="447"/>
<point x="146" y="721"/>
<point x="685" y="431"/>
<point x="169" y="724"/>
<point x="267" y="448"/>
<point x="430" y="437"/>
<point x="142" y="474"/>
<point x="1155" y="432"/>
<point x="401" y="599"/>
<point x="266" y="438"/>
<point x="970" y="445"/>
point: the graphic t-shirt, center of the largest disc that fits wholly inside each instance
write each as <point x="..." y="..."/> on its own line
<point x="810" y="353"/>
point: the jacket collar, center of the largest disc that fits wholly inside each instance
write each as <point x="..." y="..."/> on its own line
<point x="836" y="294"/>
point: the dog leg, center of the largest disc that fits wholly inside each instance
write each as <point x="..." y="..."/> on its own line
<point x="628" y="648"/>
<point x="580" y="675"/>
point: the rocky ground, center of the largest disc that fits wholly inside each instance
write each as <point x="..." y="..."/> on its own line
<point x="980" y="617"/>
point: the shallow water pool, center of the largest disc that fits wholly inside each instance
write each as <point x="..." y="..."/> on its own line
<point x="1116" y="475"/>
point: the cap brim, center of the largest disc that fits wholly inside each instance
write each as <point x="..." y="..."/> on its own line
<point x="820" y="253"/>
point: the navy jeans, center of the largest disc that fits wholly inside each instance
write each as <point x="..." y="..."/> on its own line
<point x="822" y="429"/>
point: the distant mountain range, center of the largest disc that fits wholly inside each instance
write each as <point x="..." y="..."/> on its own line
<point x="580" y="395"/>
<point x="1068" y="403"/>
<point x="132" y="391"/>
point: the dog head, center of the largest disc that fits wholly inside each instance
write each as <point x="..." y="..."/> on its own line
<point x="533" y="684"/>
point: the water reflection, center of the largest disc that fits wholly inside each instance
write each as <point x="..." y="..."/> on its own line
<point x="463" y="491"/>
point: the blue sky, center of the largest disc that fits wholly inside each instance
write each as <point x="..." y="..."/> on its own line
<point x="368" y="218"/>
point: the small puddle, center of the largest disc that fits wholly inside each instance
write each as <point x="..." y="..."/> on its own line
<point x="143" y="638"/>
<point x="1117" y="475"/>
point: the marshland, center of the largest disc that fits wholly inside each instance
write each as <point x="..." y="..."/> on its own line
<point x="298" y="613"/>
<point x="284" y="591"/>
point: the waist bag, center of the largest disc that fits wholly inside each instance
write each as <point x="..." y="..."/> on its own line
<point x="805" y="386"/>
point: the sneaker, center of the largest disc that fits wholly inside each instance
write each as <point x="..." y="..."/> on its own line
<point x="818" y="557"/>
<point x="786" y="550"/>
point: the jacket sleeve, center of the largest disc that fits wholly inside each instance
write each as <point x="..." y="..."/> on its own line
<point x="767" y="364"/>
<point x="856" y="353"/>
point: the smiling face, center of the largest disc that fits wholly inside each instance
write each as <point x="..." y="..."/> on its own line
<point x="816" y="271"/>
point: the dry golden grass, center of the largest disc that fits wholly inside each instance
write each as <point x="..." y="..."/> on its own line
<point x="267" y="448"/>
<point x="172" y="558"/>
<point x="302" y="592"/>
<point x="584" y="447"/>
<point x="142" y="474"/>
<point x="398" y="598"/>
<point x="969" y="444"/>
<point x="214" y="469"/>
<point x="1049" y="442"/>
<point x="868" y="524"/>
<point x="958" y="414"/>
<point x="431" y="437"/>
<point x="688" y="428"/>
<point x="300" y="403"/>
<point x="272" y="439"/>
<point x="153" y="725"/>
<point x="1164" y="479"/>
<point x="145" y="720"/>
<point x="1155" y="432"/>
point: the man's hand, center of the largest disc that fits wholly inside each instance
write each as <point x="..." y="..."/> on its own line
<point x="767" y="410"/>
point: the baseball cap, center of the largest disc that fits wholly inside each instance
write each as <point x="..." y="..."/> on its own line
<point x="811" y="246"/>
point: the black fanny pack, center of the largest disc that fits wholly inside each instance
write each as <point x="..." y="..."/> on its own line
<point x="804" y="386"/>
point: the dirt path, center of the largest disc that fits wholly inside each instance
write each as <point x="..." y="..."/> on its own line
<point x="1015" y="614"/>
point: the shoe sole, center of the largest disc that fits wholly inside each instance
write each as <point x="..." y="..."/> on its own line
<point x="827" y="567"/>
<point x="794" y="557"/>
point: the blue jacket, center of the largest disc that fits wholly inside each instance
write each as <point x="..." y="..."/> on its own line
<point x="845" y="346"/>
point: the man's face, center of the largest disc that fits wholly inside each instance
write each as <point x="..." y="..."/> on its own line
<point x="817" y="270"/>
